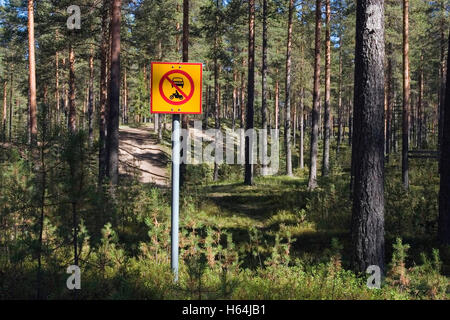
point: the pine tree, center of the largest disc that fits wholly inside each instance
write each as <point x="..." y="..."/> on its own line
<point x="264" y="88"/>
<point x="327" y="106"/>
<point x="287" y="127"/>
<point x="444" y="192"/>
<point x="114" y="99"/>
<point x="406" y="95"/>
<point x="32" y="73"/>
<point x="368" y="138"/>
<point x="250" y="92"/>
<point x="312" y="183"/>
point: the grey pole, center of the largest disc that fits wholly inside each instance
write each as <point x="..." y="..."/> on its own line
<point x="175" y="191"/>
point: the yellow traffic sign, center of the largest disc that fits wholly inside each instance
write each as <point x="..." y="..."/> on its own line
<point x="176" y="88"/>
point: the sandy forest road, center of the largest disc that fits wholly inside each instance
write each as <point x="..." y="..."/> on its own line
<point x="139" y="150"/>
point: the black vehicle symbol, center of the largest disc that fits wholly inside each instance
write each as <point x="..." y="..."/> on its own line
<point x="176" y="95"/>
<point x="179" y="82"/>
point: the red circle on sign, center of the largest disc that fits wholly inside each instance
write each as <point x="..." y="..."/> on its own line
<point x="166" y="77"/>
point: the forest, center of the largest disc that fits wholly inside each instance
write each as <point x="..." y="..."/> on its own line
<point x="351" y="99"/>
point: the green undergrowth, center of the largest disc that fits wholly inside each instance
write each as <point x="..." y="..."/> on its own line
<point x="273" y="240"/>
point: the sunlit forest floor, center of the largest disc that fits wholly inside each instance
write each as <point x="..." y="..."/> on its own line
<point x="273" y="240"/>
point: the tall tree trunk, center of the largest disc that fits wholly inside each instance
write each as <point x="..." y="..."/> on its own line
<point x="11" y="105"/>
<point x="394" y="122"/>
<point x="368" y="137"/>
<point x="102" y="167"/>
<point x="216" y="92"/>
<point x="327" y="107"/>
<point x="388" y="98"/>
<point x="277" y="101"/>
<point x="287" y="121"/>
<point x="444" y="192"/>
<point x="66" y="95"/>
<point x="242" y="120"/>
<point x="57" y="99"/>
<point x="302" y="111"/>
<point x="157" y="119"/>
<point x="442" y="78"/>
<point x="264" y="90"/>
<point x="242" y="113"/>
<point x="294" y="121"/>
<point x="32" y="74"/>
<point x="350" y="122"/>
<point x="250" y="92"/>
<point x="406" y="95"/>
<point x="73" y="163"/>
<point x="235" y="100"/>
<point x="114" y="100"/>
<point x="125" y="97"/>
<point x="184" y="117"/>
<point x="312" y="183"/>
<point x="207" y="102"/>
<point x="340" y="111"/>
<point x="177" y="29"/>
<point x="72" y="108"/>
<point x="91" y="97"/>
<point x="85" y="103"/>
<point x="420" y="106"/>
<point x="5" y="105"/>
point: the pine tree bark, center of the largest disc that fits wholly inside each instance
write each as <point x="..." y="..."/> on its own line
<point x="327" y="107"/>
<point x="444" y="192"/>
<point x="442" y="79"/>
<point x="250" y="92"/>
<point x="242" y="114"/>
<point x="235" y="100"/>
<point x="11" y="105"/>
<point x="57" y="98"/>
<point x="91" y="97"/>
<point x="368" y="138"/>
<point x="277" y="101"/>
<point x="388" y="98"/>
<point x="350" y="124"/>
<point x="340" y="111"/>
<point x="72" y="108"/>
<point x="312" y="183"/>
<point x="294" y="121"/>
<point x="302" y="114"/>
<point x="184" y="117"/>
<point x="114" y="100"/>
<point x="216" y="92"/>
<point x="5" y="105"/>
<point x="32" y="74"/>
<point x="420" y="106"/>
<point x="302" y="134"/>
<point x="66" y="95"/>
<point x="287" y="121"/>
<point x="102" y="157"/>
<point x="264" y="89"/>
<point x="125" y="96"/>
<point x="406" y="95"/>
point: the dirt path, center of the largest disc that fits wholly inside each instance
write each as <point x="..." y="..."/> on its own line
<point x="140" y="151"/>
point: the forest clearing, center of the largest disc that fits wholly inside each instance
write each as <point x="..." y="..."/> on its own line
<point x="318" y="166"/>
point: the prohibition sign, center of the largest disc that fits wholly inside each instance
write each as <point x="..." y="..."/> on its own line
<point x="187" y="97"/>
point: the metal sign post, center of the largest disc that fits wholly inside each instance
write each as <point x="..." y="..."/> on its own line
<point x="176" y="89"/>
<point x="176" y="144"/>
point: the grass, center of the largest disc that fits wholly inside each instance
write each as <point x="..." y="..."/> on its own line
<point x="273" y="240"/>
